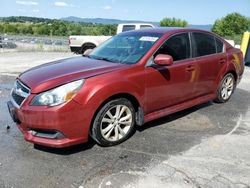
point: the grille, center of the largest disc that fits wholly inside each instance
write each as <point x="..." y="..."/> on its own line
<point x="19" y="93"/>
<point x="17" y="98"/>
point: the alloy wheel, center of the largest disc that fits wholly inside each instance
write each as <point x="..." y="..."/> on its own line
<point x="116" y="123"/>
<point x="227" y="87"/>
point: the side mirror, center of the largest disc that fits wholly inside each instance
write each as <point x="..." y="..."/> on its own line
<point x="163" y="60"/>
<point x="87" y="52"/>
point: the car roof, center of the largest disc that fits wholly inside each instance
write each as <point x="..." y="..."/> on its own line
<point x="136" y="23"/>
<point x="165" y="30"/>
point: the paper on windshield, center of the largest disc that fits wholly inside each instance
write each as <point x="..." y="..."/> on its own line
<point x="149" y="39"/>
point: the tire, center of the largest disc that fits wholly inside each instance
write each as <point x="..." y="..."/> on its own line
<point x="226" y="88"/>
<point x="114" y="122"/>
<point x="86" y="47"/>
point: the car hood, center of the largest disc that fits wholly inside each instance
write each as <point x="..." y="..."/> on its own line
<point x="50" y="75"/>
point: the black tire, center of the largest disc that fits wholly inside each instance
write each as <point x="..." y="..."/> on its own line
<point x="220" y="98"/>
<point x="86" y="47"/>
<point x="99" y="125"/>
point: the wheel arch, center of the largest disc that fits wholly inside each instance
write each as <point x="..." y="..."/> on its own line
<point x="127" y="96"/>
<point x="219" y="79"/>
<point x="219" y="98"/>
<point x="233" y="72"/>
<point x="135" y="102"/>
<point x="88" y="44"/>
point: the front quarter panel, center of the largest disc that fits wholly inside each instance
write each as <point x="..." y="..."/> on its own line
<point x="100" y="88"/>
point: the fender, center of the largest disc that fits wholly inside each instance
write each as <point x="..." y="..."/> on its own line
<point x="234" y="64"/>
<point x="101" y="93"/>
<point x="92" y="98"/>
<point x="221" y="73"/>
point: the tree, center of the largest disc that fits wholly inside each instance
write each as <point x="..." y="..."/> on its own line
<point x="43" y="29"/>
<point x="24" y="29"/>
<point x="173" y="22"/>
<point x="231" y="25"/>
<point x="44" y="26"/>
<point x="1" y="28"/>
<point x="10" y="28"/>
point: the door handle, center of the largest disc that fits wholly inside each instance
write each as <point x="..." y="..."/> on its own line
<point x="221" y="61"/>
<point x="190" y="68"/>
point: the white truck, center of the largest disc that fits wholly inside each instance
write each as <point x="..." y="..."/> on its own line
<point x="79" y="44"/>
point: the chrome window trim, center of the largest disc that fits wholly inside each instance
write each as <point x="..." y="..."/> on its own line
<point x="151" y="59"/>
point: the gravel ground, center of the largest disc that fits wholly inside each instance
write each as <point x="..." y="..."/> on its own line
<point x="11" y="64"/>
<point x="204" y="146"/>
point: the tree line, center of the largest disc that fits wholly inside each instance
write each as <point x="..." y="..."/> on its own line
<point x="46" y="27"/>
<point x="230" y="26"/>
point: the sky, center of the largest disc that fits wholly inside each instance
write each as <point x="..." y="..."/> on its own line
<point x="194" y="11"/>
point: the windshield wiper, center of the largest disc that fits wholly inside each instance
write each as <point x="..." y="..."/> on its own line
<point x="86" y="56"/>
<point x="103" y="58"/>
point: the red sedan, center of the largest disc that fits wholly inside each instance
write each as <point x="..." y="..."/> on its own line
<point x="132" y="78"/>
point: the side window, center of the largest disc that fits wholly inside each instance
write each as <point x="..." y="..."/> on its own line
<point x="145" y="26"/>
<point x="219" y="45"/>
<point x="205" y="44"/>
<point x="128" y="28"/>
<point x="177" y="46"/>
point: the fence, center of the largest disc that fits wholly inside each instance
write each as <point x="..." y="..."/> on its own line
<point x="31" y="43"/>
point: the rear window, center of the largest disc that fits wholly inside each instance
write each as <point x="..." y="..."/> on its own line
<point x="128" y="28"/>
<point x="219" y="45"/>
<point x="204" y="44"/>
<point x="145" y="26"/>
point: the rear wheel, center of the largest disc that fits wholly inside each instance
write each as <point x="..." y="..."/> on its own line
<point x="114" y="122"/>
<point x="86" y="47"/>
<point x="226" y="88"/>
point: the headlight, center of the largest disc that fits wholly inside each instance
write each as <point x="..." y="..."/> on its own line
<point x="58" y="95"/>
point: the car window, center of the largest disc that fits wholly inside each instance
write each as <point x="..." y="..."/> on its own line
<point x="219" y="45"/>
<point x="177" y="46"/>
<point x="145" y="26"/>
<point x="128" y="28"/>
<point x="127" y="48"/>
<point x="204" y="44"/>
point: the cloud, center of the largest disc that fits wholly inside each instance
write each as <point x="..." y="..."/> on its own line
<point x="125" y="10"/>
<point x="107" y="7"/>
<point x="27" y="3"/>
<point x="35" y="10"/>
<point x="21" y="10"/>
<point x="61" y="4"/>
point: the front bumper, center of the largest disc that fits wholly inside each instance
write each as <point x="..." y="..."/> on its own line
<point x="67" y="119"/>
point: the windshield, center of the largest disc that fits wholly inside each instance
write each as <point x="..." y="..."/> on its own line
<point x="127" y="48"/>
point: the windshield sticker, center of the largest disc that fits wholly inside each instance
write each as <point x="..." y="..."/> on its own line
<point x="149" y="39"/>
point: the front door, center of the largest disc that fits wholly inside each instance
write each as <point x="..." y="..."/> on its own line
<point x="170" y="85"/>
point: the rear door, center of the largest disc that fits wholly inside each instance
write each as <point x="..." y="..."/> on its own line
<point x="170" y="85"/>
<point x="210" y="58"/>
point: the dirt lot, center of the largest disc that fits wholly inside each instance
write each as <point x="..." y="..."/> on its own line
<point x="204" y="146"/>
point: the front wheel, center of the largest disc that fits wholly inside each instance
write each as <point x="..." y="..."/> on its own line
<point x="114" y="122"/>
<point x="226" y="88"/>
